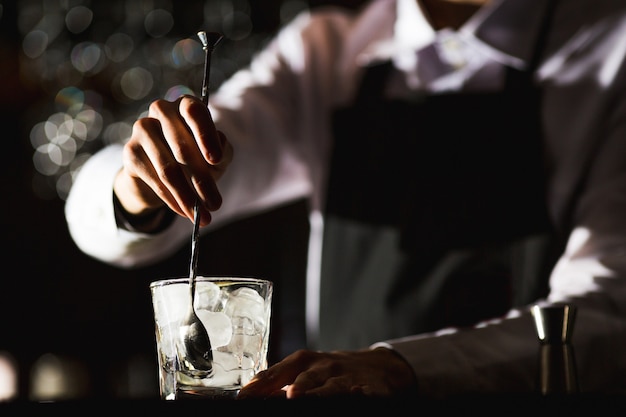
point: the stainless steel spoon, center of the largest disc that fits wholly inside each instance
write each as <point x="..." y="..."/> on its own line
<point x="196" y="342"/>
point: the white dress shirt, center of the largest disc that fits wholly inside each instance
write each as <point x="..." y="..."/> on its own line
<point x="277" y="112"/>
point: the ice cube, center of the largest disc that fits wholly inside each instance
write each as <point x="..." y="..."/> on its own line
<point x="208" y="296"/>
<point x="226" y="360"/>
<point x="172" y="304"/>
<point x="165" y="339"/>
<point x="245" y="306"/>
<point x="218" y="326"/>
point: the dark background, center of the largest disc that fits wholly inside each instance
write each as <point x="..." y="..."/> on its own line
<point x="95" y="321"/>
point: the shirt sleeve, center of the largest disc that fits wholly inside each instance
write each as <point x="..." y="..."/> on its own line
<point x="90" y="216"/>
<point x="255" y="110"/>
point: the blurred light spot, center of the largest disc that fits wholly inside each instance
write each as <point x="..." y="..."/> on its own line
<point x="158" y="23"/>
<point x="87" y="57"/>
<point x="144" y="113"/>
<point x="56" y="378"/>
<point x="178" y="90"/>
<point x="92" y="120"/>
<point x="79" y="130"/>
<point x="54" y="121"/>
<point x="186" y="52"/>
<point x="8" y="377"/>
<point x="65" y="180"/>
<point x="65" y="129"/>
<point x="44" y="157"/>
<point x="78" y="19"/>
<point x="66" y="149"/>
<point x="70" y="98"/>
<point x="63" y="185"/>
<point x="237" y="25"/>
<point x="118" y="132"/>
<point x="52" y="22"/>
<point x="34" y="43"/>
<point x="118" y="47"/>
<point x="38" y="135"/>
<point x="136" y="83"/>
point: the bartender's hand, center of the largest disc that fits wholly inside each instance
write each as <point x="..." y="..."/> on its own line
<point x="374" y="372"/>
<point x="174" y="154"/>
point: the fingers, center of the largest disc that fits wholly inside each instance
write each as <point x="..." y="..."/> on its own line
<point x="301" y="374"/>
<point x="305" y="386"/>
<point x="147" y="157"/>
<point x="325" y="374"/>
<point x="189" y="137"/>
<point x="373" y="373"/>
<point x="209" y="140"/>
<point x="274" y="380"/>
<point x="174" y="156"/>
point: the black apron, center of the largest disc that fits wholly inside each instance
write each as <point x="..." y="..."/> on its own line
<point x="436" y="212"/>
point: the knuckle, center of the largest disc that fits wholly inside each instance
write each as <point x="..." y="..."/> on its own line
<point x="191" y="107"/>
<point x="302" y="354"/>
<point x="168" y="172"/>
<point x="158" y="107"/>
<point x="145" y="124"/>
<point x="132" y="151"/>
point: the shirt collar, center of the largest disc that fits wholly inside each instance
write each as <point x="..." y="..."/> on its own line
<point x="510" y="28"/>
<point x="507" y="30"/>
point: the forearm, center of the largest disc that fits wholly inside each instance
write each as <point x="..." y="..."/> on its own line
<point x="496" y="358"/>
<point x="92" y="223"/>
<point x="502" y="357"/>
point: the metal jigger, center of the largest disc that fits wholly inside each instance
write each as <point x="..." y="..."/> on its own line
<point x="557" y="365"/>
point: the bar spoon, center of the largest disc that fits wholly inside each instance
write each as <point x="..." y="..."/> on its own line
<point x="197" y="345"/>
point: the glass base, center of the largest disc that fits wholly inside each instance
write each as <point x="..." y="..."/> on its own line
<point x="208" y="393"/>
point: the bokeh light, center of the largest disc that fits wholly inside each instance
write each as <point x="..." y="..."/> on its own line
<point x="58" y="378"/>
<point x="78" y="19"/>
<point x="136" y="83"/>
<point x="187" y="52"/>
<point x="177" y="91"/>
<point x="88" y="57"/>
<point x="102" y="63"/>
<point x="158" y="23"/>
<point x="118" y="47"/>
<point x="8" y="377"/>
<point x="35" y="43"/>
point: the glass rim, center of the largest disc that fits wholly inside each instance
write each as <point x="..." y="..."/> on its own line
<point x="202" y="278"/>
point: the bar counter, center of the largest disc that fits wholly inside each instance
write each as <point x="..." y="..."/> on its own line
<point x="516" y="404"/>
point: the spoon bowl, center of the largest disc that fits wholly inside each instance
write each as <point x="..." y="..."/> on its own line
<point x="197" y="355"/>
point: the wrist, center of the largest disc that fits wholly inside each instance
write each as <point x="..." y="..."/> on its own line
<point x="404" y="376"/>
<point x="149" y="221"/>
